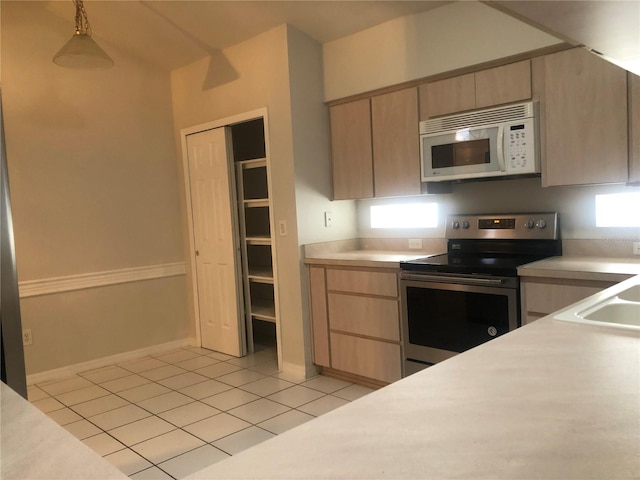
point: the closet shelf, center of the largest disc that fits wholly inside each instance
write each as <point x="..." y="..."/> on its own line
<point x="254" y="163"/>
<point x="260" y="275"/>
<point x="256" y="202"/>
<point x="263" y="310"/>
<point x="258" y="240"/>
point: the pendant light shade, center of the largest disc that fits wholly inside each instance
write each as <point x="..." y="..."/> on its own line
<point x="81" y="51"/>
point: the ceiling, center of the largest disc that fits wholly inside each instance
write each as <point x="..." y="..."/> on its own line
<point x="173" y="33"/>
<point x="610" y="27"/>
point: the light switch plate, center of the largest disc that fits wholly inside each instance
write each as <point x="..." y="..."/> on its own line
<point x="636" y="248"/>
<point x="282" y="228"/>
<point x="328" y="219"/>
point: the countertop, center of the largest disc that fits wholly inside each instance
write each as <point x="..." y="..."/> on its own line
<point x="364" y="258"/>
<point x="35" y="447"/>
<point x="550" y="400"/>
<point x="609" y="269"/>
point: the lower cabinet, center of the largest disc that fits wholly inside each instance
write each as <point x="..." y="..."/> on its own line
<point x="542" y="296"/>
<point x="356" y="321"/>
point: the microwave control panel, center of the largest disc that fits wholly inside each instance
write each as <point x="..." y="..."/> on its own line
<point x="519" y="147"/>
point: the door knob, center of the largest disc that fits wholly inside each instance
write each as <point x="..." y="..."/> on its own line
<point x="197" y="253"/>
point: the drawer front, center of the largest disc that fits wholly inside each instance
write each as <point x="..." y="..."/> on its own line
<point x="548" y="298"/>
<point x="366" y="357"/>
<point x="358" y="281"/>
<point x="370" y="316"/>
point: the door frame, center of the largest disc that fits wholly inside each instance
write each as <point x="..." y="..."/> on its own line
<point x="184" y="132"/>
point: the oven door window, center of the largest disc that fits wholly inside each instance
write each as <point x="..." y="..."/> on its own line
<point x="456" y="320"/>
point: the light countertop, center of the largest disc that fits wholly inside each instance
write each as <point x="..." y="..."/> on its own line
<point x="550" y="400"/>
<point x="609" y="269"/>
<point x="364" y="258"/>
<point x="35" y="447"/>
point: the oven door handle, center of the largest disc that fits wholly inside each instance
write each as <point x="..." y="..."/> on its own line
<point x="451" y="279"/>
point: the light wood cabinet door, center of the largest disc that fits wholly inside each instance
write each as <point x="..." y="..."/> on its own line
<point x="396" y="152"/>
<point x="363" y="282"/>
<point x="505" y="84"/>
<point x="585" y="109"/>
<point x="351" y="150"/>
<point x="368" y="316"/>
<point x="542" y="296"/>
<point x="368" y="358"/>
<point x="319" y="317"/>
<point x="634" y="128"/>
<point x="450" y="95"/>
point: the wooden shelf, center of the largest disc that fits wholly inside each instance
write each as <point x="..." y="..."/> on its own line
<point x="255" y="163"/>
<point x="256" y="202"/>
<point x="258" y="240"/>
<point x="263" y="310"/>
<point x="260" y="275"/>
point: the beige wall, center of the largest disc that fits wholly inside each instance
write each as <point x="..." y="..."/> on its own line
<point x="256" y="74"/>
<point x="453" y="36"/>
<point x="94" y="185"/>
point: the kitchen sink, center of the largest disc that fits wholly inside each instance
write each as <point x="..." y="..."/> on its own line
<point x="618" y="307"/>
<point x="631" y="294"/>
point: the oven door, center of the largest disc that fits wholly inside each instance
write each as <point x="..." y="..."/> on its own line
<point x="446" y="315"/>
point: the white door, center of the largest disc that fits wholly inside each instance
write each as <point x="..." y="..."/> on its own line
<point x="214" y="232"/>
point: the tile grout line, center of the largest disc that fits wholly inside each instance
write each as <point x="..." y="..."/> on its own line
<point x="140" y="373"/>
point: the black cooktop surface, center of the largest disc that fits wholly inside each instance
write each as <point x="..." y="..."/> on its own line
<point x="504" y="265"/>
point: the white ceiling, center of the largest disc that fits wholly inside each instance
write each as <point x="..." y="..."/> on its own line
<point x="611" y="27"/>
<point x="173" y="33"/>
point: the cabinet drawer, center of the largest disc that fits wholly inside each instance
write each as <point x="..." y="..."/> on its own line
<point x="373" y="317"/>
<point x="549" y="297"/>
<point x="357" y="281"/>
<point x="365" y="357"/>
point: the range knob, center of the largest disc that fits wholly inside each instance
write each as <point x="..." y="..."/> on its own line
<point x="455" y="224"/>
<point x="541" y="223"/>
<point x="465" y="224"/>
<point x="529" y="223"/>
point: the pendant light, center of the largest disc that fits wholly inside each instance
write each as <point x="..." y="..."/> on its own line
<point x="82" y="52"/>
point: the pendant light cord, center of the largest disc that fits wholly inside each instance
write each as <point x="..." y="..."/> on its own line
<point x="82" y="21"/>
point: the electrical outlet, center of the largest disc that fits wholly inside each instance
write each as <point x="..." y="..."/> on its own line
<point x="27" y="338"/>
<point x="415" y="243"/>
<point x="636" y="248"/>
<point x="328" y="219"/>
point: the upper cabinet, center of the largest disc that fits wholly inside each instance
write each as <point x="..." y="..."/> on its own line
<point x="375" y="146"/>
<point x="634" y="128"/>
<point x="486" y="88"/>
<point x="351" y="150"/>
<point x="396" y="145"/>
<point x="583" y="105"/>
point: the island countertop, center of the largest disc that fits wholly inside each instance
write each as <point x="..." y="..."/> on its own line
<point x="550" y="400"/>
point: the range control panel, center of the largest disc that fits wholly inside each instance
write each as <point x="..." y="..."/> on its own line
<point x="517" y="226"/>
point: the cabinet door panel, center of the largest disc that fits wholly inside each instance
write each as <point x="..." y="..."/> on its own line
<point x="548" y="297"/>
<point x="319" y="318"/>
<point x="396" y="143"/>
<point x="365" y="357"/>
<point x="450" y="95"/>
<point x="373" y="317"/>
<point x="357" y="281"/>
<point x="351" y="153"/>
<point x="504" y="84"/>
<point x="634" y="128"/>
<point x="585" y="105"/>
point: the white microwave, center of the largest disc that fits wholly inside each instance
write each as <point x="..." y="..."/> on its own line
<point x="486" y="143"/>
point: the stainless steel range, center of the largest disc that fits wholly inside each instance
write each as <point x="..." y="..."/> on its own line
<point x="458" y="300"/>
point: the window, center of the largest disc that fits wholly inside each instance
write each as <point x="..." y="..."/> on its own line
<point x="404" y="215"/>
<point x="618" y="210"/>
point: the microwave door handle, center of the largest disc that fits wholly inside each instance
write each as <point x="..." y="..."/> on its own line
<point x="500" y="148"/>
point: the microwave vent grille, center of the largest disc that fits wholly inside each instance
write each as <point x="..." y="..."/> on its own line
<point x="478" y="119"/>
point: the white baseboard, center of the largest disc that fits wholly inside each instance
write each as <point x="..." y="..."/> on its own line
<point x="69" y="370"/>
<point x="46" y="286"/>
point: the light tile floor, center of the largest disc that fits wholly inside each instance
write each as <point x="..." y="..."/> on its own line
<point x="168" y="415"/>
